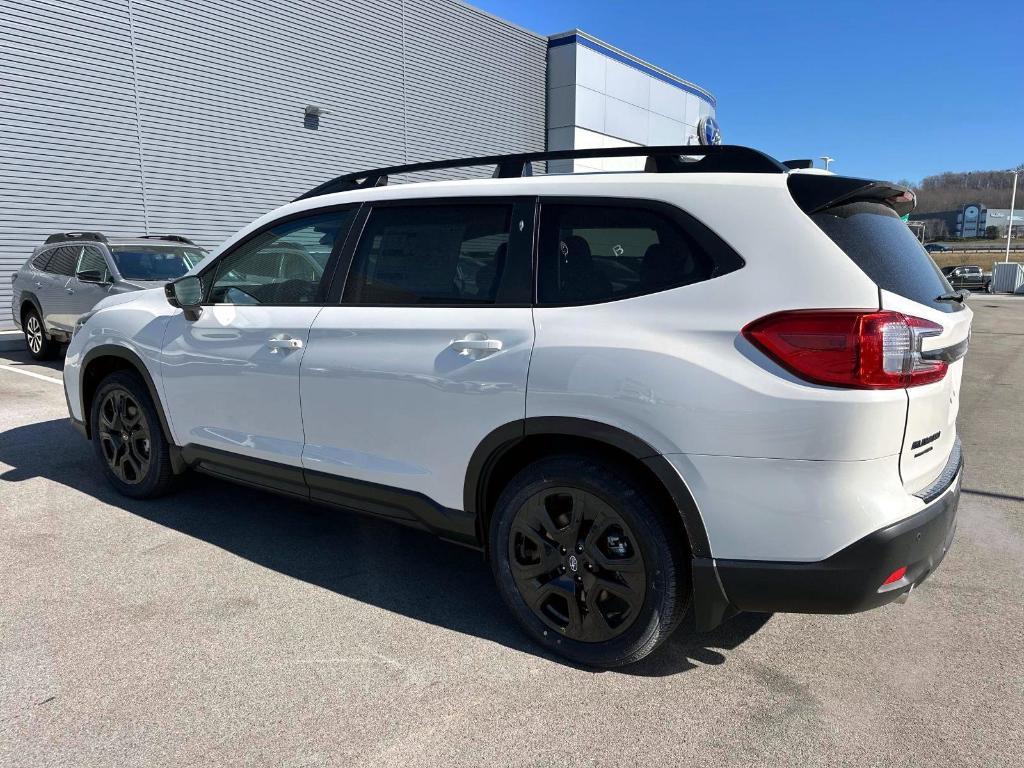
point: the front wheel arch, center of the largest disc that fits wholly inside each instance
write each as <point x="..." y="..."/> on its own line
<point x="98" y="363"/>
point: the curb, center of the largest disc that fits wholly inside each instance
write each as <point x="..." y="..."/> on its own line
<point x="12" y="341"/>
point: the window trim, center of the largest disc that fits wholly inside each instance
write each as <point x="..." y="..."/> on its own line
<point x="707" y="238"/>
<point x="326" y="282"/>
<point x="521" y="246"/>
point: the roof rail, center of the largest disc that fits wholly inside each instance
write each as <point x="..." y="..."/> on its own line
<point x="172" y="238"/>
<point x="722" y="158"/>
<point x="62" y="237"/>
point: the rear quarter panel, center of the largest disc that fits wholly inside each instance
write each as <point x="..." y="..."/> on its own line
<point x="672" y="367"/>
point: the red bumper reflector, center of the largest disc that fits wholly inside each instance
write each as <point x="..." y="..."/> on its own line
<point x="896" y="575"/>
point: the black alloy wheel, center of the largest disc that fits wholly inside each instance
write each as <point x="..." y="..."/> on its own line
<point x="590" y="564"/>
<point x="125" y="437"/>
<point x="128" y="437"/>
<point x="574" y="562"/>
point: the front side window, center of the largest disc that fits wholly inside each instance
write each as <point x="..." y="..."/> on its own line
<point x="594" y="253"/>
<point x="91" y="260"/>
<point x="155" y="262"/>
<point x="284" y="264"/>
<point x="430" y="254"/>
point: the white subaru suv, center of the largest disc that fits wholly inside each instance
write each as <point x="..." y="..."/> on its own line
<point x="723" y="383"/>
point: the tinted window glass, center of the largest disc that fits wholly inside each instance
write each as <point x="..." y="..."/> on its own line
<point x="281" y="265"/>
<point x="39" y="262"/>
<point x="64" y="260"/>
<point x="875" y="239"/>
<point x="146" y="262"/>
<point x="430" y="254"/>
<point x="92" y="259"/>
<point x="593" y="253"/>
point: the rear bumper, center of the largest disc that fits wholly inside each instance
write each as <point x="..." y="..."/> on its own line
<point x="847" y="582"/>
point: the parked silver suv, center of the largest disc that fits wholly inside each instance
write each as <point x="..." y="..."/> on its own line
<point x="72" y="271"/>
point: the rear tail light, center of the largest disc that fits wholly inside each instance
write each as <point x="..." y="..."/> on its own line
<point x="857" y="349"/>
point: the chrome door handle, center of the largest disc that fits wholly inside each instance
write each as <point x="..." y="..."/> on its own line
<point x="277" y="343"/>
<point x="465" y="346"/>
<point x="70" y="290"/>
<point x="38" y="284"/>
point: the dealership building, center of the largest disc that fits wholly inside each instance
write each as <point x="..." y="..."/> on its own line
<point x="166" y="116"/>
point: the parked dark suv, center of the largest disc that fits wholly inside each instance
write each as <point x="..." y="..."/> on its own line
<point x="72" y="271"/>
<point x="970" y="276"/>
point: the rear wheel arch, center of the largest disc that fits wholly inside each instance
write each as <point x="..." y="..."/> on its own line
<point x="29" y="301"/>
<point x="511" y="447"/>
<point x="105" y="359"/>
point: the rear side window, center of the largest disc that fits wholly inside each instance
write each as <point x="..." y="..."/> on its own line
<point x="39" y="262"/>
<point x="430" y="254"/>
<point x="64" y="260"/>
<point x="878" y="242"/>
<point x="589" y="253"/>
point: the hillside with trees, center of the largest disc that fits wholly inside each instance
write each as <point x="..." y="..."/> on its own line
<point x="948" y="191"/>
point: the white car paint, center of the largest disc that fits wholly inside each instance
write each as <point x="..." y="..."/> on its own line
<point x="780" y="469"/>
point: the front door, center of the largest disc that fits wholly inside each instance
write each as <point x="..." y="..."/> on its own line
<point x="425" y="354"/>
<point x="86" y="293"/>
<point x="231" y="377"/>
<point x="55" y="293"/>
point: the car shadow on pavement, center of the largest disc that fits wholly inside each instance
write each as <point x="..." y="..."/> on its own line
<point x="21" y="358"/>
<point x="395" y="568"/>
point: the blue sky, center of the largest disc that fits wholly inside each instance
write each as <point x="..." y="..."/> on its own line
<point x="890" y="89"/>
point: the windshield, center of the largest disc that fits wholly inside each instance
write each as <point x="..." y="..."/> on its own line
<point x="155" y="262"/>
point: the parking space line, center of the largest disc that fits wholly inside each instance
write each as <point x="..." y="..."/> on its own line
<point x="33" y="374"/>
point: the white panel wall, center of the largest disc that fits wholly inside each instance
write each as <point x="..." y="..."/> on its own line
<point x="205" y="132"/>
<point x="593" y="94"/>
<point x="69" y="150"/>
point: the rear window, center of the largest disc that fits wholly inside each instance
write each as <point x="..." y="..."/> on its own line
<point x="878" y="242"/>
<point x="157" y="263"/>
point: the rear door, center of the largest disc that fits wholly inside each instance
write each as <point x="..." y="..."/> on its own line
<point x="873" y="236"/>
<point x="424" y="353"/>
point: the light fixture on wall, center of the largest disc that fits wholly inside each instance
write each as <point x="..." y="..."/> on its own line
<point x="311" y="117"/>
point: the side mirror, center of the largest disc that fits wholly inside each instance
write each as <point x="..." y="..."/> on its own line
<point x="186" y="293"/>
<point x="91" y="276"/>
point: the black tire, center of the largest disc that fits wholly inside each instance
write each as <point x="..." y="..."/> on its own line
<point x="40" y="346"/>
<point x="128" y="438"/>
<point x="620" y="529"/>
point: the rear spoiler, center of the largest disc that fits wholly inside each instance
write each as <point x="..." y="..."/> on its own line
<point x="815" y="192"/>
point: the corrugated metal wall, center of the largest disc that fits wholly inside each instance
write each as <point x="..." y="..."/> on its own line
<point x="190" y="115"/>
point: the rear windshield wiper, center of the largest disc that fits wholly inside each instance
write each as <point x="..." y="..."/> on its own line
<point x="957" y="296"/>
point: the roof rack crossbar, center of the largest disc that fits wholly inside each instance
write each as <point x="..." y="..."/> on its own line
<point x="722" y="158"/>
<point x="64" y="237"/>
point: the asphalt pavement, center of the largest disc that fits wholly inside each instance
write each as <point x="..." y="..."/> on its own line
<point x="224" y="626"/>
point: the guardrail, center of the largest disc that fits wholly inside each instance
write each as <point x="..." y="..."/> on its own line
<point x="994" y="248"/>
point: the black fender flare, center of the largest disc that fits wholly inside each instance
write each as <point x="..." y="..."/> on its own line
<point x="129" y="356"/>
<point x="500" y="440"/>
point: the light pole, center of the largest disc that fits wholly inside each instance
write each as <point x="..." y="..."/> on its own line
<point x="826" y="159"/>
<point x="1009" y="226"/>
